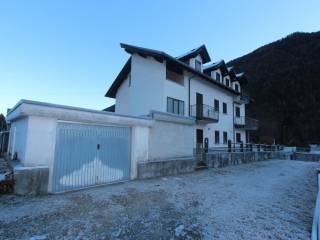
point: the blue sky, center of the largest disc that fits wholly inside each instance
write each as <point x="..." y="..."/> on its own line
<point x="68" y="52"/>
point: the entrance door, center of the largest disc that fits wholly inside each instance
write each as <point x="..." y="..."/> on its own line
<point x="87" y="155"/>
<point x="199" y="136"/>
<point x="237" y="112"/>
<point x="199" y="104"/>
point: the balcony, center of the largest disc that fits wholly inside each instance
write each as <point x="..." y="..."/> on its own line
<point x="204" y="113"/>
<point x="246" y="123"/>
<point x="243" y="98"/>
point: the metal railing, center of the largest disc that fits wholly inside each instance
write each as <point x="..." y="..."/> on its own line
<point x="204" y="112"/>
<point x="240" y="121"/>
<point x="246" y="147"/>
<point x="243" y="98"/>
<point x="303" y="149"/>
<point x="246" y="123"/>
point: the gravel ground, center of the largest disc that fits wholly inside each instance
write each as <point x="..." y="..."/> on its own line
<point x="264" y="200"/>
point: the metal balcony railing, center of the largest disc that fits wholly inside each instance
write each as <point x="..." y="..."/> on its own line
<point x="204" y="112"/>
<point x="246" y="123"/>
<point x="243" y="98"/>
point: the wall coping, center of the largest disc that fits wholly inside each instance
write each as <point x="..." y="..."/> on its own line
<point x="173" y="118"/>
<point x="25" y="108"/>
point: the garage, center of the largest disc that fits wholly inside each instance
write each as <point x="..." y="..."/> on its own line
<point x="88" y="155"/>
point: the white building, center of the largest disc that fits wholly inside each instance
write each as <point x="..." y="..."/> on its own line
<point x="187" y="85"/>
<point x="164" y="107"/>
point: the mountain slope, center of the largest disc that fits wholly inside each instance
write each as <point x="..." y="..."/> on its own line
<point x="284" y="80"/>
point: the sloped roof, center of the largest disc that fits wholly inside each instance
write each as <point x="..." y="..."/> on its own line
<point x="111" y="108"/>
<point x="232" y="74"/>
<point x="242" y="78"/>
<point x="239" y="75"/>
<point x="202" y="51"/>
<point x="217" y="65"/>
<point x="159" y="56"/>
<point x="119" y="79"/>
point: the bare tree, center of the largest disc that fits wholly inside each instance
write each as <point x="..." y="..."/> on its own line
<point x="3" y="123"/>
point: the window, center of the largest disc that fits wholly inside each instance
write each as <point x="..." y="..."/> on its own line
<point x="175" y="106"/>
<point x="225" y="137"/>
<point x="224" y="108"/>
<point x="216" y="137"/>
<point x="216" y="105"/>
<point x="227" y="82"/>
<point x="197" y="65"/>
<point x="218" y="77"/>
<point x="237" y="112"/>
<point x="236" y="87"/>
<point x="174" y="74"/>
<point x="238" y="137"/>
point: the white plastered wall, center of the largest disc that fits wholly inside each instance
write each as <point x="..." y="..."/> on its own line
<point x="146" y="90"/>
<point x="170" y="140"/>
<point x="225" y="123"/>
<point x="18" y="138"/>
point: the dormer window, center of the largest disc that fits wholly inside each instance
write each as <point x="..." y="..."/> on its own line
<point x="197" y="65"/>
<point x="227" y="82"/>
<point x="236" y="87"/>
<point x="218" y="77"/>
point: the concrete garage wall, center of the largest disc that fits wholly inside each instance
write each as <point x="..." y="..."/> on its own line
<point x="170" y="136"/>
<point x="139" y="153"/>
<point x="40" y="141"/>
<point x="34" y="124"/>
<point x="18" y="138"/>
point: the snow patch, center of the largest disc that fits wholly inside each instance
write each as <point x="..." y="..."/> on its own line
<point x="94" y="172"/>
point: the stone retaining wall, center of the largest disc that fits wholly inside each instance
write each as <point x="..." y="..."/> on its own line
<point x="305" y="157"/>
<point x="166" y="168"/>
<point x="213" y="160"/>
<point x="222" y="159"/>
<point x="31" y="180"/>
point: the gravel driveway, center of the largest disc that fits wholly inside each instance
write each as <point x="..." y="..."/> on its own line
<point x="264" y="200"/>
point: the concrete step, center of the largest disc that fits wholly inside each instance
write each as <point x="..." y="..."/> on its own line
<point x="201" y="166"/>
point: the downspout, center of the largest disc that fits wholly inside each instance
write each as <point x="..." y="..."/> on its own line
<point x="189" y="94"/>
<point x="234" y="134"/>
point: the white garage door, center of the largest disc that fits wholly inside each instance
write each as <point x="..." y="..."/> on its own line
<point x="87" y="155"/>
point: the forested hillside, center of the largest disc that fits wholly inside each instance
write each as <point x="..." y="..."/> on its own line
<point x="284" y="80"/>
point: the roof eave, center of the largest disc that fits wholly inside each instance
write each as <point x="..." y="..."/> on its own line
<point x="112" y="91"/>
<point x="202" y="51"/>
<point x="159" y="54"/>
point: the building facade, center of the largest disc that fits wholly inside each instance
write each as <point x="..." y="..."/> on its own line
<point x="189" y="86"/>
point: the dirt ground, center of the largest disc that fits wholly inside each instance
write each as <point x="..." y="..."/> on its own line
<point x="265" y="200"/>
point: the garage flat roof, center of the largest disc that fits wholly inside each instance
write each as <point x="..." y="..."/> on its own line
<point x="62" y="112"/>
<point x="25" y="108"/>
